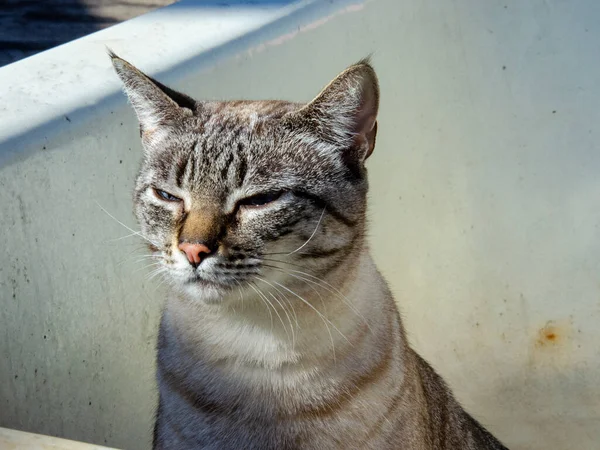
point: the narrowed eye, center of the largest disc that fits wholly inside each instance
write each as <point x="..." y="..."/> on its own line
<point x="261" y="199"/>
<point x="166" y="196"/>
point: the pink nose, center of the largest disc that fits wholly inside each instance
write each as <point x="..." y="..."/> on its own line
<point x="194" y="252"/>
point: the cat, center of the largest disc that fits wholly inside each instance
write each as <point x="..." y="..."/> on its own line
<point x="278" y="331"/>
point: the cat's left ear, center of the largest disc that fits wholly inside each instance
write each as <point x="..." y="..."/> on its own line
<point x="344" y="114"/>
<point x="155" y="105"/>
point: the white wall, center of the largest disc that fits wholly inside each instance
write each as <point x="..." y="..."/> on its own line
<point x="485" y="202"/>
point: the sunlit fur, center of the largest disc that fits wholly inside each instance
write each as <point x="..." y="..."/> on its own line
<point x="285" y="336"/>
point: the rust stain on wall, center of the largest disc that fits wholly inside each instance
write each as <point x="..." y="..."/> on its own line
<point x="552" y="345"/>
<point x="551" y="335"/>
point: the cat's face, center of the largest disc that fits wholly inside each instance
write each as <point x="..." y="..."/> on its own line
<point x="252" y="196"/>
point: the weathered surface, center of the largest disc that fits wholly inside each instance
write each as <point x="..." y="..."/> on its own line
<point x="30" y="26"/>
<point x="484" y="189"/>
<point x="13" y="440"/>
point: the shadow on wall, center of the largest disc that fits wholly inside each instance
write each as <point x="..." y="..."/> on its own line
<point x="28" y="27"/>
<point x="31" y="26"/>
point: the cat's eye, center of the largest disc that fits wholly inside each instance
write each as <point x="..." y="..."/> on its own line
<point x="260" y="199"/>
<point x="166" y="196"/>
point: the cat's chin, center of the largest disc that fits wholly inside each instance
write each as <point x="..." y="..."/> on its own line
<point x="204" y="291"/>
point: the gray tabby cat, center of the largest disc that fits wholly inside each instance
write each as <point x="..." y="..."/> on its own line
<point x="278" y="331"/>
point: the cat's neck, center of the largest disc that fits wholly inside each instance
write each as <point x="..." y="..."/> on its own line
<point x="307" y="325"/>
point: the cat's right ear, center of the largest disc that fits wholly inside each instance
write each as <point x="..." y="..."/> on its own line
<point x="156" y="106"/>
<point x="344" y="115"/>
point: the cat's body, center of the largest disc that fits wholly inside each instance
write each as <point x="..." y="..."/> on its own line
<point x="279" y="332"/>
<point x="378" y="394"/>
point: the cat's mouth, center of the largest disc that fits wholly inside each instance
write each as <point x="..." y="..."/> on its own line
<point x="213" y="276"/>
<point x="198" y="280"/>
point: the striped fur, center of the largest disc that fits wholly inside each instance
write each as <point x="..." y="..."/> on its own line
<point x="286" y="336"/>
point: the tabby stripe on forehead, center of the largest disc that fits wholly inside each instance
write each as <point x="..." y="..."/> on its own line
<point x="235" y="134"/>
<point x="200" y="155"/>
<point x="181" y="168"/>
<point x="242" y="168"/>
<point x="226" y="166"/>
<point x="223" y="133"/>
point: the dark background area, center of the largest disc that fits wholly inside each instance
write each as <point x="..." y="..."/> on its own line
<point x="31" y="26"/>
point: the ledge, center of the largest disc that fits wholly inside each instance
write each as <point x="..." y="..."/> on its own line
<point x="44" y="89"/>
<point x="30" y="441"/>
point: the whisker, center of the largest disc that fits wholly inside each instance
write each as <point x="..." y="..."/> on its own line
<point x="267" y="306"/>
<point x="241" y="292"/>
<point x="324" y="285"/>
<point x="325" y="319"/>
<point x="274" y="309"/>
<point x="312" y="235"/>
<point x="284" y="310"/>
<point x="147" y="266"/>
<point x="332" y="289"/>
<point x="288" y="318"/>
<point x="122" y="224"/>
<point x="315" y="291"/>
<point x="289" y="302"/>
<point x="143" y="258"/>
<point x="164" y="279"/>
<point x="286" y="253"/>
<point x="136" y="233"/>
<point x="286" y="262"/>
<point x="128" y="256"/>
<point x="156" y="272"/>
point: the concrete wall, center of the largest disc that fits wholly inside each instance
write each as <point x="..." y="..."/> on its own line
<point x="485" y="202"/>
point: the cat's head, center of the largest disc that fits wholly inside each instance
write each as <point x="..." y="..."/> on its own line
<point x="257" y="195"/>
